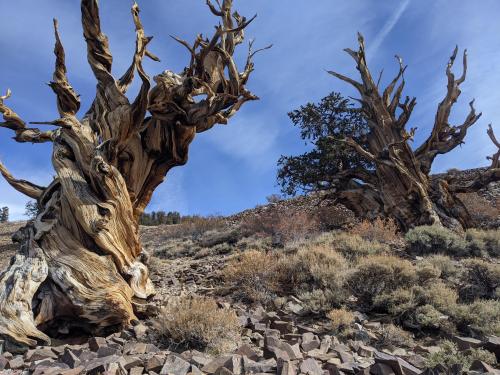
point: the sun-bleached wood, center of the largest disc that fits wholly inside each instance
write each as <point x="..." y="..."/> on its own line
<point x="81" y="264"/>
<point x="400" y="185"/>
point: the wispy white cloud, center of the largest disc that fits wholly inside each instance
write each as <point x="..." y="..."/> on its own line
<point x="387" y="28"/>
<point x="251" y="138"/>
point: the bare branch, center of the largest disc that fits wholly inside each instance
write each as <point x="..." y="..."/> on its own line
<point x="357" y="147"/>
<point x="98" y="53"/>
<point x="388" y="91"/>
<point x="214" y="10"/>
<point x="495" y="159"/>
<point x="13" y="122"/>
<point x="446" y="137"/>
<point x="140" y="51"/>
<point x="68" y="101"/>
<point x="23" y="186"/>
<point x="351" y="81"/>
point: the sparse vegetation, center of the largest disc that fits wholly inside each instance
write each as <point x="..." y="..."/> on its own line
<point x="340" y="318"/>
<point x="253" y="276"/>
<point x="4" y="214"/>
<point x="197" y="322"/>
<point x="160" y="218"/>
<point x="392" y="336"/>
<point x="433" y="239"/>
<point x="449" y="356"/>
<point x="480" y="279"/>
<point x="282" y="225"/>
<point x="379" y="274"/>
<point x="488" y="241"/>
<point x="385" y="231"/>
<point x="480" y="208"/>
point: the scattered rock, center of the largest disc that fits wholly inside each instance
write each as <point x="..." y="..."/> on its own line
<point x="398" y="365"/>
<point x="175" y="366"/>
<point x="310" y="366"/>
<point x="253" y="367"/>
<point x="97" y="342"/>
<point x="465" y="343"/>
<point x="70" y="358"/>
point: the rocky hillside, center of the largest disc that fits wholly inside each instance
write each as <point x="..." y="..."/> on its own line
<point x="235" y="298"/>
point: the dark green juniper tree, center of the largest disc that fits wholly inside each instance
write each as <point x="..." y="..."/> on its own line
<point x="331" y="165"/>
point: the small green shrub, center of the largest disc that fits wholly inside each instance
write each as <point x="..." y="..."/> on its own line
<point x="427" y="239"/>
<point x="353" y="246"/>
<point x="481" y="279"/>
<point x="340" y="318"/>
<point x="317" y="273"/>
<point x="253" y="276"/>
<point x="486" y="240"/>
<point x="425" y="306"/>
<point x="197" y="322"/>
<point x="427" y="271"/>
<point x="449" y="356"/>
<point x="379" y="274"/>
<point x="392" y="336"/>
<point x="314" y="266"/>
<point x="319" y="300"/>
<point x="482" y="316"/>
<point x="427" y="316"/>
<point x="447" y="267"/>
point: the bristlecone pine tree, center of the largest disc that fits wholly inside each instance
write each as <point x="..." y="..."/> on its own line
<point x="81" y="264"/>
<point x="382" y="174"/>
<point x="401" y="181"/>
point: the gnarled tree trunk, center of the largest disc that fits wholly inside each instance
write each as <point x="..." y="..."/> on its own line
<point x="400" y="183"/>
<point x="80" y="262"/>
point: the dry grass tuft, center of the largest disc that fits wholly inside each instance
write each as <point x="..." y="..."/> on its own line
<point x="253" y="276"/>
<point x="284" y="226"/>
<point x="379" y="274"/>
<point x="198" y="323"/>
<point x="377" y="230"/>
<point x="340" y="318"/>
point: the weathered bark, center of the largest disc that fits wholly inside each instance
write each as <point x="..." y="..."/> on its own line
<point x="402" y="185"/>
<point x="81" y="263"/>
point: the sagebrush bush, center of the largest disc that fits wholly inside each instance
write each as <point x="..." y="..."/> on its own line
<point x="481" y="279"/>
<point x="378" y="274"/>
<point x="487" y="240"/>
<point x="425" y="306"/>
<point x="392" y="336"/>
<point x="447" y="267"/>
<point x="380" y="230"/>
<point x="284" y="226"/>
<point x="253" y="276"/>
<point x="340" y="318"/>
<point x="449" y="356"/>
<point x="482" y="316"/>
<point x="434" y="239"/>
<point x="319" y="300"/>
<point x="353" y="246"/>
<point x="313" y="269"/>
<point x="427" y="316"/>
<point x="427" y="271"/>
<point x="198" y="323"/>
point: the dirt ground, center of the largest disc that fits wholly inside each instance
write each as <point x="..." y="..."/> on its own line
<point x="7" y="248"/>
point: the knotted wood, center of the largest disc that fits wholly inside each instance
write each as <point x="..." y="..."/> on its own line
<point x="400" y="185"/>
<point x="81" y="264"/>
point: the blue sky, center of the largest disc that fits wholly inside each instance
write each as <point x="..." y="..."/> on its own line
<point x="233" y="167"/>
